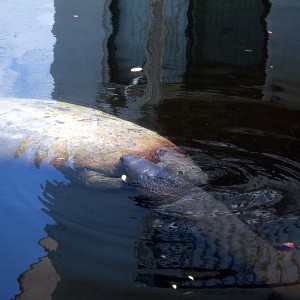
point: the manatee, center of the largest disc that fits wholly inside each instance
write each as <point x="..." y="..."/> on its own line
<point x="232" y="253"/>
<point x="83" y="139"/>
<point x="79" y="138"/>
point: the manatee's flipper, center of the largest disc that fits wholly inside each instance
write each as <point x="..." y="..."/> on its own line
<point x="96" y="179"/>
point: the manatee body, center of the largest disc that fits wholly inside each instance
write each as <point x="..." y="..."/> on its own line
<point x="67" y="135"/>
<point x="230" y="246"/>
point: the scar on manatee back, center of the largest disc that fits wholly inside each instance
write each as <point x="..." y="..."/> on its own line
<point x="39" y="156"/>
<point x="22" y="147"/>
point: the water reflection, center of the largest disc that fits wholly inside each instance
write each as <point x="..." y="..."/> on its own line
<point x="204" y="50"/>
<point x="214" y="72"/>
<point x="207" y="253"/>
<point x="190" y="43"/>
<point x="208" y="45"/>
<point x="202" y="254"/>
<point x="94" y="232"/>
<point x="253" y="125"/>
<point x="283" y="65"/>
<point x="22" y="218"/>
<point x="26" y="49"/>
<point x="222" y="252"/>
<point x="231" y="48"/>
<point x="228" y="47"/>
<point x="79" y="67"/>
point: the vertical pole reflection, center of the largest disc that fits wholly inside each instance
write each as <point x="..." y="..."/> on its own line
<point x="283" y="65"/>
<point x="228" y="46"/>
<point x="155" y="51"/>
<point x="79" y="50"/>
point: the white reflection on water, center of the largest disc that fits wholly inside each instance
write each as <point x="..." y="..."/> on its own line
<point x="26" y="48"/>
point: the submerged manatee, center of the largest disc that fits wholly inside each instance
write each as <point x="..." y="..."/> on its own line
<point x="171" y="193"/>
<point x="231" y="254"/>
<point x="80" y="138"/>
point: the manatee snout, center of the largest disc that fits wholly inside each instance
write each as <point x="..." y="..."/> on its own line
<point x="136" y="166"/>
<point x="146" y="173"/>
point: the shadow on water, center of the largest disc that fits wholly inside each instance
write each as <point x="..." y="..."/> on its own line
<point x="217" y="79"/>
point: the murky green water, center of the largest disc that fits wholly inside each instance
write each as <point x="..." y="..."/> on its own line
<point x="218" y="78"/>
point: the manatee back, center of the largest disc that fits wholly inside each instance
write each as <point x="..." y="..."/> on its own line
<point x="70" y="135"/>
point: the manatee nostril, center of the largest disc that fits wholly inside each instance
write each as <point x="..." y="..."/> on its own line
<point x="122" y="158"/>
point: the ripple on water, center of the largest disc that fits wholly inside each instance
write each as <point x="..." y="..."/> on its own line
<point x="261" y="188"/>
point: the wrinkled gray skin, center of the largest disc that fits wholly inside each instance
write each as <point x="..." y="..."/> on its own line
<point x="171" y="194"/>
<point x="174" y="196"/>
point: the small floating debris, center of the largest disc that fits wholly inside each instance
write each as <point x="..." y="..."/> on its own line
<point x="174" y="286"/>
<point x="124" y="177"/>
<point x="75" y="16"/>
<point x="191" y="277"/>
<point x="288" y="246"/>
<point x="270" y="32"/>
<point x="136" y="69"/>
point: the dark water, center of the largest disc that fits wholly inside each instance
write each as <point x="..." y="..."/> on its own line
<point x="219" y="78"/>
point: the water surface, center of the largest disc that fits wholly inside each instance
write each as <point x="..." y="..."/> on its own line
<point x="219" y="78"/>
